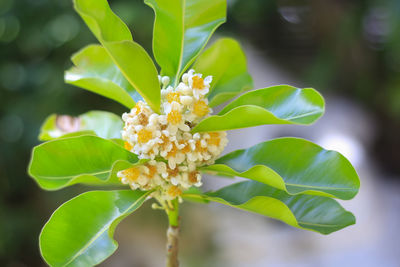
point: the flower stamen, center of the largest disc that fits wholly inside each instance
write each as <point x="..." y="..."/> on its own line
<point x="198" y="82"/>
<point x="144" y="136"/>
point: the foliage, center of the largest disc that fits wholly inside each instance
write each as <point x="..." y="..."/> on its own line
<point x="96" y="72"/>
<point x="102" y="123"/>
<point x="181" y="30"/>
<point x="81" y="159"/>
<point x="301" y="211"/>
<point x="295" y="180"/>
<point x="281" y="104"/>
<point x="226" y="62"/>
<point x="95" y="215"/>
<point x="296" y="166"/>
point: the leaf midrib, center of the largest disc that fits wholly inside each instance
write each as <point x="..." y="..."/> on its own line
<point x="302" y="115"/>
<point x="272" y="113"/>
<point x="319" y="225"/>
<point x="320" y="187"/>
<point x="237" y="173"/>
<point x="182" y="43"/>
<point x="237" y="206"/>
<point x="72" y="176"/>
<point x="94" y="75"/>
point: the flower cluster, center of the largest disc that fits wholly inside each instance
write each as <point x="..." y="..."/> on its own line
<point x="165" y="139"/>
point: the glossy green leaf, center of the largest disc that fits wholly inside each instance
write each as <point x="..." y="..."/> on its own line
<point x="95" y="71"/>
<point x="319" y="214"/>
<point x="83" y="159"/>
<point x="182" y="29"/>
<point x="282" y="104"/>
<point x="226" y="63"/>
<point x="294" y="165"/>
<point x="101" y="123"/>
<point x="80" y="232"/>
<point x="132" y="60"/>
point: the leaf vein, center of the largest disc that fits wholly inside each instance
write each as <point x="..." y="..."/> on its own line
<point x="319" y="187"/>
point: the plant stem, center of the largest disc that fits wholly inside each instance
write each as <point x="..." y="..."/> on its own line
<point x="173" y="235"/>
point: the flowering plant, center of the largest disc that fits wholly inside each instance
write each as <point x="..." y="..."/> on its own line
<point x="168" y="137"/>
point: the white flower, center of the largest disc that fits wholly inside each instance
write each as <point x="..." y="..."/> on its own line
<point x="199" y="85"/>
<point x="173" y="106"/>
<point x="165" y="139"/>
<point x="184" y="89"/>
<point x="185" y="78"/>
<point x="186" y="100"/>
<point x="165" y="81"/>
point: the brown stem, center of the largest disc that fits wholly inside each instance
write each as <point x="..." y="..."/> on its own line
<point x="172" y="246"/>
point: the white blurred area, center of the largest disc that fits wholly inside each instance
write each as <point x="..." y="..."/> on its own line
<point x="217" y="235"/>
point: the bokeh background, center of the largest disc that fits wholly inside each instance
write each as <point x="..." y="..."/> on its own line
<point x="348" y="50"/>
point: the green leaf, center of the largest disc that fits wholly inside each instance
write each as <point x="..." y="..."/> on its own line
<point x="132" y="60"/>
<point x="226" y="63"/>
<point x="83" y="159"/>
<point x="95" y="71"/>
<point x="101" y="123"/>
<point x="181" y="30"/>
<point x="282" y="104"/>
<point x="319" y="214"/>
<point x="80" y="232"/>
<point x="294" y="165"/>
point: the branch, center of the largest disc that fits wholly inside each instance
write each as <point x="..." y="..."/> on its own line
<point x="172" y="246"/>
<point x="173" y="235"/>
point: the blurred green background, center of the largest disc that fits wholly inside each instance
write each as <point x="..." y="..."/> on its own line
<point x="346" y="48"/>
